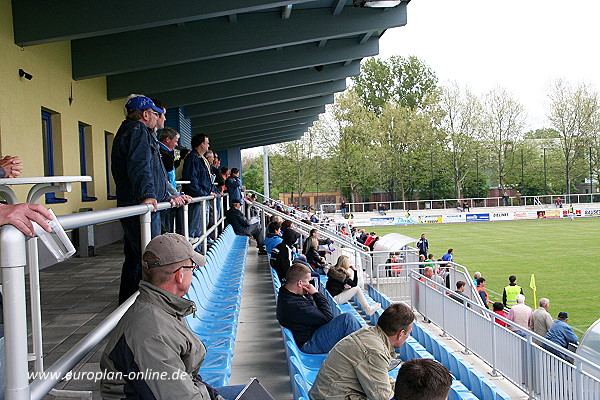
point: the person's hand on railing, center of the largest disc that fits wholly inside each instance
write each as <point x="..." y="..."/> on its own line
<point x="180" y="200"/>
<point x="12" y="166"/>
<point x="21" y="215"/>
<point x="152" y="202"/>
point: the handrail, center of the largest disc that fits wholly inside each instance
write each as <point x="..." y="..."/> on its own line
<point x="15" y="255"/>
<point x="527" y="377"/>
<point x="451" y="203"/>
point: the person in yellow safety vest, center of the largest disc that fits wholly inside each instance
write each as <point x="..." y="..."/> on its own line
<point x="509" y="296"/>
<point x="482" y="292"/>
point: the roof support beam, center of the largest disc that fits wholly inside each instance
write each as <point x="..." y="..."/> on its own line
<point x="264" y="99"/>
<point x="260" y="84"/>
<point x="38" y="22"/>
<point x="111" y="54"/>
<point x="250" y="141"/>
<point x="267" y="110"/>
<point x="257" y="121"/>
<point x="337" y="7"/>
<point x="237" y="67"/>
<point x="263" y="129"/>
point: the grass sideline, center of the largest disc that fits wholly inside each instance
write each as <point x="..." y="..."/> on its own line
<point x="563" y="255"/>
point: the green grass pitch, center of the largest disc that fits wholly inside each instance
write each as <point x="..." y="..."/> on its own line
<point x="564" y="255"/>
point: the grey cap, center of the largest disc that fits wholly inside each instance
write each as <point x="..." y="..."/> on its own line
<point x="168" y="249"/>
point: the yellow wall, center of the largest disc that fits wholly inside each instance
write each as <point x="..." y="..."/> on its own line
<point x="21" y="102"/>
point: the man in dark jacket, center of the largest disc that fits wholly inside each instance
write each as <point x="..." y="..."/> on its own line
<point x="241" y="226"/>
<point x="305" y="311"/>
<point x="140" y="177"/>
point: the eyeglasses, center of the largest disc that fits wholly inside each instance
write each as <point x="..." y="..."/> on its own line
<point x="153" y="112"/>
<point x="193" y="267"/>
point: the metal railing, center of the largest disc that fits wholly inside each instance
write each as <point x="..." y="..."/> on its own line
<point x="16" y="252"/>
<point x="475" y="202"/>
<point x="538" y="372"/>
<point x="362" y="259"/>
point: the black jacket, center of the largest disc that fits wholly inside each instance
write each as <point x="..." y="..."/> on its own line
<point x="302" y="314"/>
<point x="337" y="279"/>
<point x="281" y="260"/>
<point x="313" y="258"/>
<point x="237" y="220"/>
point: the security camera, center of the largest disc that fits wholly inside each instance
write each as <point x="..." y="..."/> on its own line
<point x="26" y="75"/>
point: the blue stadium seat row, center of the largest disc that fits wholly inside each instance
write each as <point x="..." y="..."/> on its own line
<point x="217" y="291"/>
<point x="304" y="367"/>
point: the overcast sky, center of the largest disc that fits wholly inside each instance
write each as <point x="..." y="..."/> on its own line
<point x="520" y="45"/>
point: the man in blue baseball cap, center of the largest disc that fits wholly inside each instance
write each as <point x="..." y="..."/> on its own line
<point x="140" y="178"/>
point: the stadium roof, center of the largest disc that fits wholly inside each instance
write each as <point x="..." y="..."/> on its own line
<point x="249" y="72"/>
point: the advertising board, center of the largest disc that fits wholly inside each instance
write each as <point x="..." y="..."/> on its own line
<point x="502" y="216"/>
<point x="478" y="217"/>
<point x="430" y="219"/>
<point x="453" y="218"/>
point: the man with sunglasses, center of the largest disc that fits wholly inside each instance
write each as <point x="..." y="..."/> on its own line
<point x="152" y="353"/>
<point x="140" y="177"/>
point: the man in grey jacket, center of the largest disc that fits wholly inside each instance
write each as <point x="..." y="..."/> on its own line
<point x="541" y="320"/>
<point x="152" y="353"/>
<point x="357" y="367"/>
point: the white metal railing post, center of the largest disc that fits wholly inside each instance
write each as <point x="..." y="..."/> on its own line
<point x="186" y="222"/>
<point x="215" y="216"/>
<point x="263" y="220"/>
<point x="146" y="227"/>
<point x="529" y="365"/>
<point x="222" y="213"/>
<point x="12" y="261"/>
<point x="494" y="350"/>
<point x="204" y="218"/>
<point x="444" y="298"/>
<point x="466" y="350"/>
<point x="579" y="381"/>
<point x="36" y="304"/>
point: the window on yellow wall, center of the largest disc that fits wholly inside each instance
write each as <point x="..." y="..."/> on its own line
<point x="50" y="149"/>
<point x="86" y="161"/>
<point x="111" y="190"/>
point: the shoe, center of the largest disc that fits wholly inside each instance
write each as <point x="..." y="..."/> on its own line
<point x="193" y="240"/>
<point x="372" y="309"/>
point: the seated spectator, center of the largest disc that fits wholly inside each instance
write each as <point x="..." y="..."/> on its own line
<point x="241" y="226"/>
<point x="362" y="237"/>
<point x="520" y="313"/>
<point x="165" y="344"/>
<point x="541" y="321"/>
<point x="422" y="379"/>
<point x="357" y="367"/>
<point x="381" y="209"/>
<point x="273" y="237"/>
<point x="466" y="207"/>
<point x="342" y="285"/>
<point x="321" y="241"/>
<point x="561" y="334"/>
<point x="483" y="292"/>
<point x="476" y="276"/>
<point x="313" y="257"/>
<point x="284" y="255"/>
<point x="430" y="274"/>
<point x="305" y="311"/>
<point x="499" y="309"/>
<point x="460" y="292"/>
<point x="370" y="239"/>
<point x="459" y="207"/>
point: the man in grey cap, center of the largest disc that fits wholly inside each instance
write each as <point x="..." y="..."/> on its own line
<point x="152" y="353"/>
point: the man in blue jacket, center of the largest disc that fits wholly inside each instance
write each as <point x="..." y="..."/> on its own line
<point x="561" y="334"/>
<point x="196" y="169"/>
<point x="140" y="177"/>
<point x="305" y="311"/>
<point x="241" y="226"/>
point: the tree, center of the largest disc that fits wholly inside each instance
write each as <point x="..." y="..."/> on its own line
<point x="503" y="119"/>
<point x="573" y="113"/>
<point x="407" y="81"/>
<point x="461" y="123"/>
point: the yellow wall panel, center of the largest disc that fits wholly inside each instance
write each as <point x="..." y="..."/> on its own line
<point x="22" y="100"/>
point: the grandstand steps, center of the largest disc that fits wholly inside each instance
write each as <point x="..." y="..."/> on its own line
<point x="503" y="384"/>
<point x="259" y="348"/>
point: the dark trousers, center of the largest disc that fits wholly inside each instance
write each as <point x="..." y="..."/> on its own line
<point x="131" y="273"/>
<point x="254" y="231"/>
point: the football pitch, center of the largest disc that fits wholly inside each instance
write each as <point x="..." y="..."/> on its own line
<point x="564" y="256"/>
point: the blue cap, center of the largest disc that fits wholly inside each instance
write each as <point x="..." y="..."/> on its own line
<point x="142" y="103"/>
<point x="563" y="315"/>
